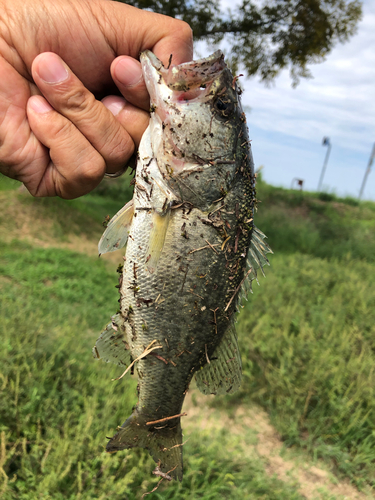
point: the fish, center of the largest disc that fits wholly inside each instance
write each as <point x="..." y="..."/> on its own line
<point x="192" y="252"/>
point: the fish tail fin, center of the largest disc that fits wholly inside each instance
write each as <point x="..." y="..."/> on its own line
<point x="164" y="443"/>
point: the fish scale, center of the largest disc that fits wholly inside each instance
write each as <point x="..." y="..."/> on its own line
<point x="168" y="284"/>
<point x="192" y="247"/>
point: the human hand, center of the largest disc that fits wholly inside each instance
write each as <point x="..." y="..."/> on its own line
<point x="56" y="60"/>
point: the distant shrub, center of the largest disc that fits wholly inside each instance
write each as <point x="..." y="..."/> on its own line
<point x="332" y="227"/>
<point x="326" y="196"/>
<point x="351" y="201"/>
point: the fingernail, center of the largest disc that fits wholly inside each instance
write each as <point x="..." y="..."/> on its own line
<point x="39" y="104"/>
<point x="128" y="71"/>
<point x="114" y="103"/>
<point x="51" y="69"/>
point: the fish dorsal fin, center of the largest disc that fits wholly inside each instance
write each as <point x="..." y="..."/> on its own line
<point x="111" y="345"/>
<point x="258" y="250"/>
<point x="256" y="259"/>
<point x="116" y="234"/>
<point x="224" y="372"/>
<point x="157" y="238"/>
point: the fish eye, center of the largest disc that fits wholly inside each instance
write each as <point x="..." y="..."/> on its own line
<point x="224" y="106"/>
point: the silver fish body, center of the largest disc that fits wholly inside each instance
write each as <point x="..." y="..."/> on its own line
<point x="191" y="250"/>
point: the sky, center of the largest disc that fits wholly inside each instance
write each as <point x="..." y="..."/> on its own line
<point x="287" y="125"/>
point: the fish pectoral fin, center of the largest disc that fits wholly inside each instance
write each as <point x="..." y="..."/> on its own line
<point x="224" y="372"/>
<point x="164" y="443"/>
<point x="157" y="239"/>
<point x="111" y="345"/>
<point x="116" y="234"/>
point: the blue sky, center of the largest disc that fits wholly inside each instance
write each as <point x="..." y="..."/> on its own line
<point x="287" y="124"/>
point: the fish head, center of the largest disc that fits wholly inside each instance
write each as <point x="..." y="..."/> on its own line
<point x="198" y="129"/>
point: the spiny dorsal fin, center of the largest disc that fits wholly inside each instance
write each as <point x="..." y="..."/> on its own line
<point x="256" y="258"/>
<point x="258" y="250"/>
<point x="111" y="345"/>
<point x="224" y="372"/>
<point x="116" y="234"/>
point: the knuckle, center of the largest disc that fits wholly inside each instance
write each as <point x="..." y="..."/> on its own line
<point x="79" y="100"/>
<point x="184" y="30"/>
<point x="112" y="140"/>
<point x="93" y="169"/>
<point x="62" y="131"/>
<point x="13" y="155"/>
<point x="120" y="148"/>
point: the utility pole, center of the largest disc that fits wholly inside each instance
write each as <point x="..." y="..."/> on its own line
<point x="326" y="142"/>
<point x="367" y="172"/>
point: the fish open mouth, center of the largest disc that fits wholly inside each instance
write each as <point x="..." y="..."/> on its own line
<point x="196" y="73"/>
<point x="181" y="97"/>
<point x="188" y="80"/>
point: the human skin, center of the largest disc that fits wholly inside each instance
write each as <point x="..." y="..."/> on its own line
<point x="57" y="60"/>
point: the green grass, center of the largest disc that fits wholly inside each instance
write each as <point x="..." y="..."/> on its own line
<point x="302" y="222"/>
<point x="307" y="338"/>
<point x="7" y="184"/>
<point x="80" y="216"/>
<point x="57" y="404"/>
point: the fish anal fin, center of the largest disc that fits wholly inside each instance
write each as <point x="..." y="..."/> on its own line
<point x="224" y="372"/>
<point x="157" y="239"/>
<point x="164" y="443"/>
<point x="116" y="234"/>
<point x="111" y="345"/>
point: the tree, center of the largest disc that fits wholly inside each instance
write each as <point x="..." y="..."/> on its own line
<point x="266" y="36"/>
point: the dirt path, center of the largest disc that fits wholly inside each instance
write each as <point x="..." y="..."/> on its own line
<point x="312" y="479"/>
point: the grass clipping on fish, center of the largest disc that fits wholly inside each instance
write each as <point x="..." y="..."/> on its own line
<point x="147" y="351"/>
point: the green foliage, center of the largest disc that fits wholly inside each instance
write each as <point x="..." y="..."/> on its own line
<point x="7" y="184"/>
<point x="307" y="339"/>
<point x="302" y="222"/>
<point x="57" y="404"/>
<point x="308" y="345"/>
<point x="116" y="189"/>
<point x="266" y="37"/>
<point x="107" y="198"/>
<point x="307" y="335"/>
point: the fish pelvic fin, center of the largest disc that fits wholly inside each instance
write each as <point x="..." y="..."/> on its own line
<point x="164" y="443"/>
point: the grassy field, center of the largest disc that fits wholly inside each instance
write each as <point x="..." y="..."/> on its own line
<point x="307" y="339"/>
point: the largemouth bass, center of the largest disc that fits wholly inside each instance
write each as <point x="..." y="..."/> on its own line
<point x="192" y="250"/>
